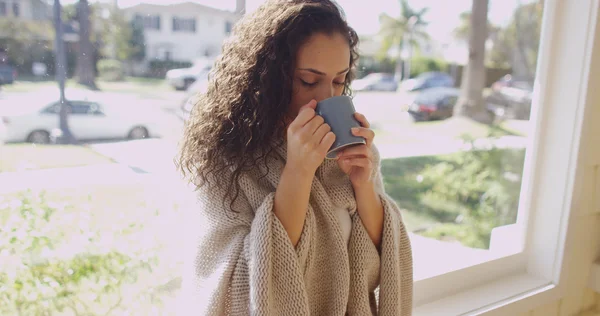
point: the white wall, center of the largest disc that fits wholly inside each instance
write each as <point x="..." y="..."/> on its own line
<point x="184" y="46"/>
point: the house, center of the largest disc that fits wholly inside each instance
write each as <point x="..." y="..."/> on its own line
<point x="37" y="10"/>
<point x="183" y="31"/>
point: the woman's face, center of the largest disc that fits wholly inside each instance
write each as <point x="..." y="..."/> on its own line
<point x="322" y="64"/>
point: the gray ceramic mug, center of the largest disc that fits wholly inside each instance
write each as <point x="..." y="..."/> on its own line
<point x="338" y="112"/>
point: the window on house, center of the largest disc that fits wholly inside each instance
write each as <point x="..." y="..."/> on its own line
<point x="3" y="9"/>
<point x="228" y="26"/>
<point x="150" y="22"/>
<point x="16" y="9"/>
<point x="184" y="25"/>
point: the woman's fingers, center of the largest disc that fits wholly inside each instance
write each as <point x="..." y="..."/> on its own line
<point x="362" y="162"/>
<point x="355" y="151"/>
<point x="362" y="120"/>
<point x="364" y="132"/>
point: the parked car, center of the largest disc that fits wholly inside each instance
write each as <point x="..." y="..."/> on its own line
<point x="511" y="98"/>
<point x="2" y="131"/>
<point x="8" y="74"/>
<point x="426" y="80"/>
<point x="434" y="104"/>
<point x="198" y="88"/>
<point x="35" y="122"/>
<point x="183" y="78"/>
<point x="375" y="82"/>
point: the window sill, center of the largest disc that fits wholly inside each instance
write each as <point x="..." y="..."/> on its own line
<point x="489" y="297"/>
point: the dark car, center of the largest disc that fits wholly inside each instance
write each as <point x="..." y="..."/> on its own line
<point x="8" y="74"/>
<point x="434" y="104"/>
<point x="427" y="80"/>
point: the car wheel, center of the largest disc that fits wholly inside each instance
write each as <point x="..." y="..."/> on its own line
<point x="39" y="137"/>
<point x="138" y="132"/>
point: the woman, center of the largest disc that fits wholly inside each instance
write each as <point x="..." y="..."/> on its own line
<point x="280" y="229"/>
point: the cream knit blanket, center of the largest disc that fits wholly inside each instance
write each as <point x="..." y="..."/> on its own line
<point x="245" y="264"/>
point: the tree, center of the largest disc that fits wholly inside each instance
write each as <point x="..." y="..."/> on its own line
<point x="25" y="42"/>
<point x="405" y="29"/>
<point x="471" y="103"/>
<point x="463" y="30"/>
<point x="121" y="40"/>
<point x="137" y="40"/>
<point x="86" y="72"/>
<point x="517" y="45"/>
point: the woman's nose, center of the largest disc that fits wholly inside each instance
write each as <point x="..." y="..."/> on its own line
<point x="325" y="93"/>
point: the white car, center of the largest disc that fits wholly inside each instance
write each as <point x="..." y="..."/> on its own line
<point x="87" y="120"/>
<point x="2" y="131"/>
<point x="375" y="82"/>
<point x="183" y="78"/>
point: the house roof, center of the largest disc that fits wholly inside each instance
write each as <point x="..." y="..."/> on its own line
<point x="188" y="6"/>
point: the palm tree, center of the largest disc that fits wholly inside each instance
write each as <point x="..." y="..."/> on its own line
<point x="85" y="58"/>
<point x="471" y="102"/>
<point x="405" y="29"/>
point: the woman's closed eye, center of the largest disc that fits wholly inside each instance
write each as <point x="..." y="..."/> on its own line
<point x="312" y="84"/>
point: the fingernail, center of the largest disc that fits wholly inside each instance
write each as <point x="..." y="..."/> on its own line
<point x="355" y="129"/>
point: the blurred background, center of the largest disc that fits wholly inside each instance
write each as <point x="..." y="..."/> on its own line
<point x="94" y="94"/>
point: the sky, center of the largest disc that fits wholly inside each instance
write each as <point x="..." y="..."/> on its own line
<point x="363" y="15"/>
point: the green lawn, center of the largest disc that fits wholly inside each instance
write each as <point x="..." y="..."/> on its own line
<point x="129" y="85"/>
<point x="439" y="131"/>
<point x="405" y="182"/>
<point x="16" y="157"/>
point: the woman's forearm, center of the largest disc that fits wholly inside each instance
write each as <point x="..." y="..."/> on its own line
<point x="291" y="201"/>
<point x="370" y="210"/>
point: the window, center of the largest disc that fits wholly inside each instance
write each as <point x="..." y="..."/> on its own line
<point x="228" y="26"/>
<point x="150" y="22"/>
<point x="3" y="8"/>
<point x="16" y="9"/>
<point x="184" y="25"/>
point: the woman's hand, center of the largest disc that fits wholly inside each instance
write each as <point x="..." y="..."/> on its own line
<point x="309" y="138"/>
<point x="357" y="161"/>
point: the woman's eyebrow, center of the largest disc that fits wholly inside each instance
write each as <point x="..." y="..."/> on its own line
<point x="320" y="72"/>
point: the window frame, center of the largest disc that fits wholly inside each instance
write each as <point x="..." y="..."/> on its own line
<point x="521" y="280"/>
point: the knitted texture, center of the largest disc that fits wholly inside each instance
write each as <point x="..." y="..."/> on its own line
<point x="244" y="263"/>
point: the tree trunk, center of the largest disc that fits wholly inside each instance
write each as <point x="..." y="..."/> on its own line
<point x="471" y="102"/>
<point x="85" y="57"/>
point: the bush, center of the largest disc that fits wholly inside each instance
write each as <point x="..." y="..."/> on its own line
<point x="485" y="184"/>
<point x="111" y="70"/>
<point x="159" y="68"/>
<point x="44" y="272"/>
<point x="459" y="197"/>
<point x="421" y="64"/>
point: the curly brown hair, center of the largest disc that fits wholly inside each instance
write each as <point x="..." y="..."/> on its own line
<point x="238" y="122"/>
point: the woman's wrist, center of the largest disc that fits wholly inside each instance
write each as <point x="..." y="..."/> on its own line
<point x="370" y="210"/>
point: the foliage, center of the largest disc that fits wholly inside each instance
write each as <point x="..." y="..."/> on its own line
<point x="465" y="194"/>
<point x="393" y="29"/>
<point x="158" y="68"/>
<point x="26" y="42"/>
<point x="517" y="45"/>
<point x="422" y="64"/>
<point x="485" y="184"/>
<point x="137" y="41"/>
<point x="517" y="42"/>
<point x="52" y="262"/>
<point x="111" y="70"/>
<point x="122" y="40"/>
<point x="367" y="65"/>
